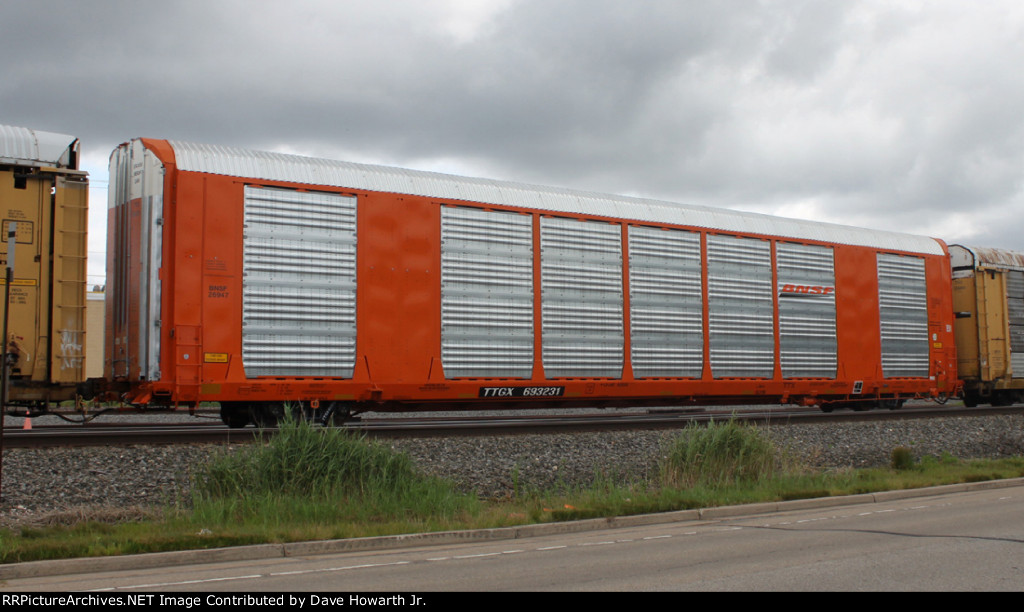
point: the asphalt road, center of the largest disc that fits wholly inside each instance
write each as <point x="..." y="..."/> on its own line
<point x="959" y="541"/>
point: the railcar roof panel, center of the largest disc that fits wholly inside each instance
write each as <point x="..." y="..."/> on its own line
<point x="24" y="146"/>
<point x="261" y="165"/>
<point x="986" y="257"/>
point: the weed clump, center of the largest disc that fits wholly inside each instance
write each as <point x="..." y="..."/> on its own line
<point x="902" y="458"/>
<point x="305" y="472"/>
<point x="303" y="460"/>
<point x="718" y="455"/>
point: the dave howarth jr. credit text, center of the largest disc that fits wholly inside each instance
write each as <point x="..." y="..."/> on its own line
<point x="195" y="601"/>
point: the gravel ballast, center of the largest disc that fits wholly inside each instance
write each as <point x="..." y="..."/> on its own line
<point x="39" y="482"/>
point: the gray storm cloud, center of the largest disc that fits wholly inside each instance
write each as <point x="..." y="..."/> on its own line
<point x="889" y="115"/>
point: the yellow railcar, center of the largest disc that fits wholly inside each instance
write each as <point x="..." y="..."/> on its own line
<point x="44" y="196"/>
<point x="988" y="298"/>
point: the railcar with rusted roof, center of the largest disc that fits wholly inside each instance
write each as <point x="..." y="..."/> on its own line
<point x="988" y="301"/>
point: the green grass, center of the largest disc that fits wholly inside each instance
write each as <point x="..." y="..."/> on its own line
<point x="310" y="483"/>
<point x="719" y="455"/>
<point x="331" y="482"/>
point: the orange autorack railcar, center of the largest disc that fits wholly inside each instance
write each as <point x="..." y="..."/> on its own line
<point x="259" y="279"/>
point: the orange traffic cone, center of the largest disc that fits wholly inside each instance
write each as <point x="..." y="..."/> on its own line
<point x="28" y="423"/>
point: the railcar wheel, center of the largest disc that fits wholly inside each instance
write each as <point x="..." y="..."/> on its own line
<point x="234" y="414"/>
<point x="1002" y="398"/>
<point x="266" y="414"/>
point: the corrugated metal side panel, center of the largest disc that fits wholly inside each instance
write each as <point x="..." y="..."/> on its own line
<point x="903" y="304"/>
<point x="293" y="168"/>
<point x="741" y="306"/>
<point x="299" y="286"/>
<point x="486" y="293"/>
<point x="581" y="298"/>
<point x="665" y="303"/>
<point x="807" y="310"/>
<point x="1015" y="313"/>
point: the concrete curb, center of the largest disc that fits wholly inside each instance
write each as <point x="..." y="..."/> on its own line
<point x="34" y="569"/>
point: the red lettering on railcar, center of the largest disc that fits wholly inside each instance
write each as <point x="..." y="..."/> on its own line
<point x="806" y="289"/>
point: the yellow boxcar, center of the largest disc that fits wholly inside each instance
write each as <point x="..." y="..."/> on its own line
<point x="988" y="298"/>
<point x="44" y="196"/>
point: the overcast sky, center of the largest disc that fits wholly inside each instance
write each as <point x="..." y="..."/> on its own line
<point x="905" y="115"/>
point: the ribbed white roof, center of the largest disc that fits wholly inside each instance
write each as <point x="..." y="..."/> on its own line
<point x="24" y="146"/>
<point x="244" y="163"/>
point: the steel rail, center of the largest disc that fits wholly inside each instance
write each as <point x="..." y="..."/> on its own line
<point x="101" y="434"/>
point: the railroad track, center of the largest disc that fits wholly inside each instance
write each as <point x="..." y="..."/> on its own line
<point x="212" y="431"/>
